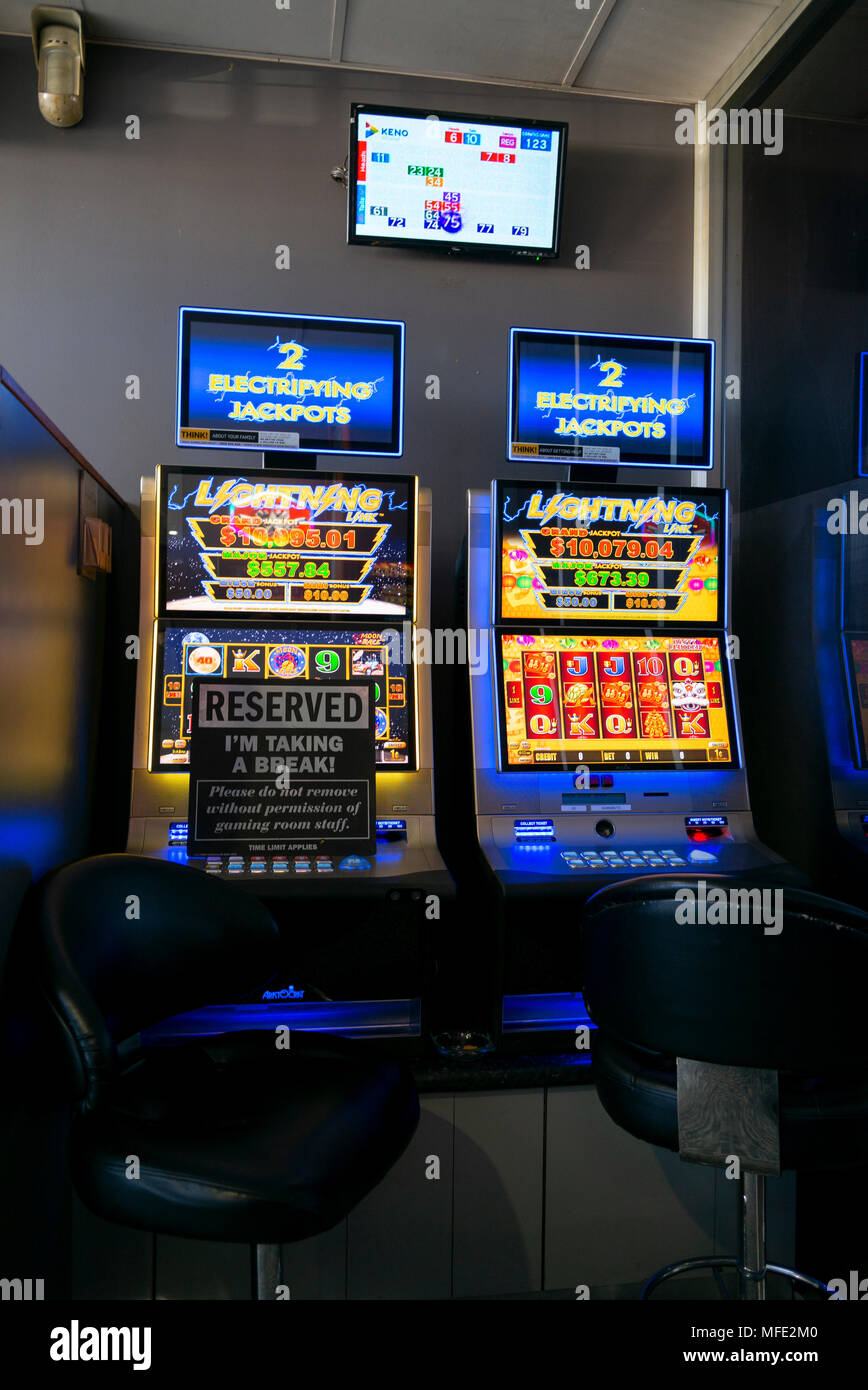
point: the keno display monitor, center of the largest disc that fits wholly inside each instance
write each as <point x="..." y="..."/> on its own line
<point x="602" y="555"/>
<point x="317" y="545"/>
<point x="452" y="182"/>
<point x="611" y="399"/>
<point x="289" y="381"/>
<point x="647" y="702"/>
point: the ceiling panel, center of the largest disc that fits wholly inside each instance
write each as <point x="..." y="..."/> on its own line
<point x="236" y="26"/>
<point x="664" y="50"/>
<point x="525" y="40"/>
<point x="671" y="49"/>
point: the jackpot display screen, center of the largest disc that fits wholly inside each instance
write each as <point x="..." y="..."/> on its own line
<point x="456" y="182"/>
<point x="327" y="544"/>
<point x="608" y="398"/>
<point x="644" y="702"/>
<point x="226" y="652"/>
<point x="624" y="554"/>
<point x="289" y="381"/>
<point x="856" y="658"/>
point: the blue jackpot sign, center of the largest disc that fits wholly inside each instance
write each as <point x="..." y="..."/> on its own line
<point x="294" y="382"/>
<point x="610" y="398"/>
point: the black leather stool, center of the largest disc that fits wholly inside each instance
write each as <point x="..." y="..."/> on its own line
<point x="739" y="1039"/>
<point x="256" y="1145"/>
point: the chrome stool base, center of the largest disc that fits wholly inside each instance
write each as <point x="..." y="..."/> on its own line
<point x="751" y="1284"/>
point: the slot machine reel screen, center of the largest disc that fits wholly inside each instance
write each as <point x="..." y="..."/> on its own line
<point x="649" y="702"/>
<point x="328" y="545"/>
<point x="289" y="381"/>
<point x="610" y="398"/>
<point x="457" y="183"/>
<point x="185" y="650"/>
<point x="617" y="554"/>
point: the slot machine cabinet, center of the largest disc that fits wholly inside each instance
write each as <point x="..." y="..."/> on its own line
<point x="555" y="829"/>
<point x="359" y="926"/>
<point x="806" y="681"/>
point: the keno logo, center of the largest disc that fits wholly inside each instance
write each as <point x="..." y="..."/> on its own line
<point x="395" y="133"/>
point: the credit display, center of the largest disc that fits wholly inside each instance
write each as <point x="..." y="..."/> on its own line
<point x="626" y="554"/>
<point x="856" y="657"/>
<point x="455" y="181"/>
<point x="289" y="381"/>
<point x="643" y="702"/>
<point x="328" y="543"/>
<point x="610" y="398"/>
<point x="183" y="652"/>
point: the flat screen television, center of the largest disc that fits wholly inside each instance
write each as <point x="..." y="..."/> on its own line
<point x="290" y="382"/>
<point x="610" y="398"/>
<point x="652" y="701"/>
<point x="223" y="651"/>
<point x="606" y="555"/>
<point x="431" y="178"/>
<point x="331" y="545"/>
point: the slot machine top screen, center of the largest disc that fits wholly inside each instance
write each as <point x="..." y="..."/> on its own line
<point x="289" y="381"/>
<point x="323" y="545"/>
<point x="455" y="182"/>
<point x="650" y="702"/>
<point x="618" y="554"/>
<point x="610" y="398"/>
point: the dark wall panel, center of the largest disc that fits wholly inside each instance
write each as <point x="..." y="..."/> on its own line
<point x="805" y="308"/>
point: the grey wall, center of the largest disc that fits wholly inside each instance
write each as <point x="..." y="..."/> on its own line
<point x="104" y="237"/>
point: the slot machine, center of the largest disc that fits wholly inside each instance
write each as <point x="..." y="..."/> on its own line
<point x="606" y="737"/>
<point x="293" y="577"/>
<point x="288" y="571"/>
<point x="807" y="681"/>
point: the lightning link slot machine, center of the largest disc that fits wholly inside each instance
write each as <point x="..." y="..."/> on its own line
<point x="606" y="735"/>
<point x="288" y="573"/>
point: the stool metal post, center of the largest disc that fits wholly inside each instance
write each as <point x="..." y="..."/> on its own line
<point x="267" y="1272"/>
<point x="752" y="1270"/>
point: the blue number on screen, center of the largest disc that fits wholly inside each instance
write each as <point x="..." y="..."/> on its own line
<point x="536" y="139"/>
<point x="450" y="221"/>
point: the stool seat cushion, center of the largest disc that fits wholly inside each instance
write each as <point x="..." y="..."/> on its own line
<point x="823" y="1122"/>
<point x="266" y="1148"/>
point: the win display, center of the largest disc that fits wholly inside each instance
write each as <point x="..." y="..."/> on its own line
<point x="327" y="544"/>
<point x="623" y="554"/>
<point x="649" y="701"/>
<point x="183" y="652"/>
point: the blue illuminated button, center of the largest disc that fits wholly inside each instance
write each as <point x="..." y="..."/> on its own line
<point x="354" y="861"/>
<point x="701" y="856"/>
<point x="569" y="854"/>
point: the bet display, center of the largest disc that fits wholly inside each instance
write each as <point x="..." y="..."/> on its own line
<point x="289" y="381"/>
<point x="643" y="702"/>
<point x="620" y="554"/>
<point x="455" y="181"/>
<point x="323" y="544"/>
<point x="609" y="398"/>
<point x="184" y="652"/>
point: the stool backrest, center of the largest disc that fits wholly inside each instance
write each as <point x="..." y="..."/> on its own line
<point x="780" y="982"/>
<point x="128" y="941"/>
